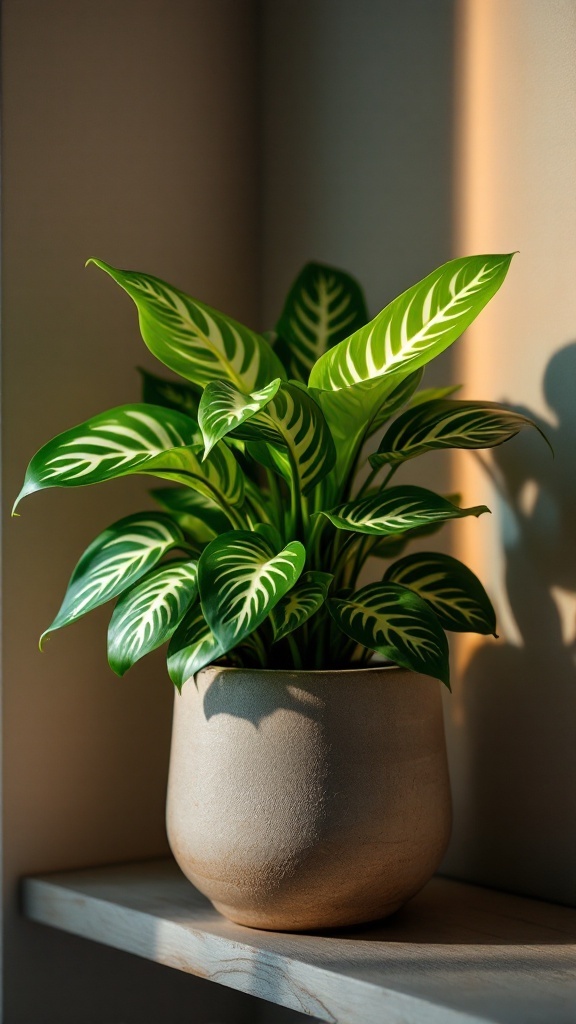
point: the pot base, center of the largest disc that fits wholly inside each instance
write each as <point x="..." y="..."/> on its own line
<point x="299" y="921"/>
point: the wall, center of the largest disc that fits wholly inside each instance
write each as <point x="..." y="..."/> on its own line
<point x="512" y="718"/>
<point x="129" y="134"/>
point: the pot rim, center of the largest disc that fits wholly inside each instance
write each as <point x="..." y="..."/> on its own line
<point x="308" y="671"/>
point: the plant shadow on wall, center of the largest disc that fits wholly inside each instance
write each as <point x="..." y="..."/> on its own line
<point x="519" y="697"/>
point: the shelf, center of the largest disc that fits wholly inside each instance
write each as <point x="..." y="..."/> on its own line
<point x="457" y="954"/>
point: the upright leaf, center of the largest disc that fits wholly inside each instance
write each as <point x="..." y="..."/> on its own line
<point x="147" y="614"/>
<point x="396" y="509"/>
<point x="193" y="339"/>
<point x="192" y="647"/>
<point x="416" y="326"/>
<point x="323" y="306"/>
<point x="241" y="578"/>
<point x="451" y="590"/>
<point x="396" y="623"/>
<point x="110" y="445"/>
<point x="446" y="423"/>
<point x="118" y="557"/>
<point x="300" y="603"/>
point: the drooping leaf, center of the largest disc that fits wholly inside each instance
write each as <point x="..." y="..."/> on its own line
<point x="193" y="339"/>
<point x="323" y="306"/>
<point x="451" y="590"/>
<point x="416" y="326"/>
<point x="241" y="578"/>
<point x="224" y="408"/>
<point x="199" y="516"/>
<point x="118" y="557"/>
<point x="396" y="623"/>
<point x="396" y="399"/>
<point x="147" y="614"/>
<point x="192" y="647"/>
<point x="446" y="423"/>
<point x="218" y="477"/>
<point x="172" y="394"/>
<point x="112" y="444"/>
<point x="397" y="509"/>
<point x="433" y="394"/>
<point x="300" y="603"/>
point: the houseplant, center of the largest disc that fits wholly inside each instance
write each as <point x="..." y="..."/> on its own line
<point x="262" y="440"/>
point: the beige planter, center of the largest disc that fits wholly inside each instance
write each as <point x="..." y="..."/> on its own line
<point x="301" y="800"/>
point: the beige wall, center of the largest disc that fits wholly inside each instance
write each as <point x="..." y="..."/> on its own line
<point x="513" y="716"/>
<point x="129" y="134"/>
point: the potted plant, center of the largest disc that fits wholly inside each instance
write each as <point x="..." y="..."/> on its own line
<point x="308" y="787"/>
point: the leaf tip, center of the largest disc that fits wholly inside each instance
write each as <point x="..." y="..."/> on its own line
<point x="45" y="636"/>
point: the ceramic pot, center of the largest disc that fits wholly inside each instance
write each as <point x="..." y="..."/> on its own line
<point x="305" y="800"/>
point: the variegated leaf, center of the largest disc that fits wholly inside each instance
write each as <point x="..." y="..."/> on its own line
<point x="270" y="457"/>
<point x="147" y="614"/>
<point x="114" y="561"/>
<point x="172" y="394"/>
<point x="300" y="603"/>
<point x="401" y="394"/>
<point x="416" y="326"/>
<point x="110" y="445"/>
<point x="397" y="509"/>
<point x="193" y="339"/>
<point x="218" y="477"/>
<point x="224" y="408"/>
<point x="445" y="423"/>
<point x="241" y="578"/>
<point x="396" y="623"/>
<point x="323" y="306"/>
<point x="199" y="516"/>
<point x="192" y="647"/>
<point x="451" y="590"/>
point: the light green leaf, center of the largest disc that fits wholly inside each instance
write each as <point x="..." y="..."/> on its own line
<point x="199" y="516"/>
<point x="147" y="614"/>
<point x="113" y="444"/>
<point x="446" y="423"/>
<point x="218" y="477"/>
<point x="193" y="339"/>
<point x="241" y="578"/>
<point x="396" y="623"/>
<point x="323" y="306"/>
<point x="300" y="603"/>
<point x="433" y="394"/>
<point x="395" y="510"/>
<point x="224" y="408"/>
<point x="416" y="326"/>
<point x="452" y="591"/>
<point x="192" y="647"/>
<point x="172" y="394"/>
<point x="114" y="561"/>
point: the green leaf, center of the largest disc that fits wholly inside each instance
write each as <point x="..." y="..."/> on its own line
<point x="199" y="516"/>
<point x="416" y="326"/>
<point x="110" y="445"/>
<point x="172" y="394"/>
<point x="396" y="399"/>
<point x="241" y="578"/>
<point x="395" y="510"/>
<point x="192" y="647"/>
<point x="396" y="623"/>
<point x="270" y="457"/>
<point x="224" y="408"/>
<point x="323" y="306"/>
<point x="300" y="603"/>
<point x="445" y="423"/>
<point x="114" y="561"/>
<point x="433" y="394"/>
<point x="147" y="614"/>
<point x="293" y="420"/>
<point x="451" y="590"/>
<point x="218" y="477"/>
<point x="193" y="339"/>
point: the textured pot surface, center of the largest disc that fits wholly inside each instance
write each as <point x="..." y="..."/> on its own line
<point x="301" y="800"/>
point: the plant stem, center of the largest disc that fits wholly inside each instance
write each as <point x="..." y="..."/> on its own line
<point x="296" y="657"/>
